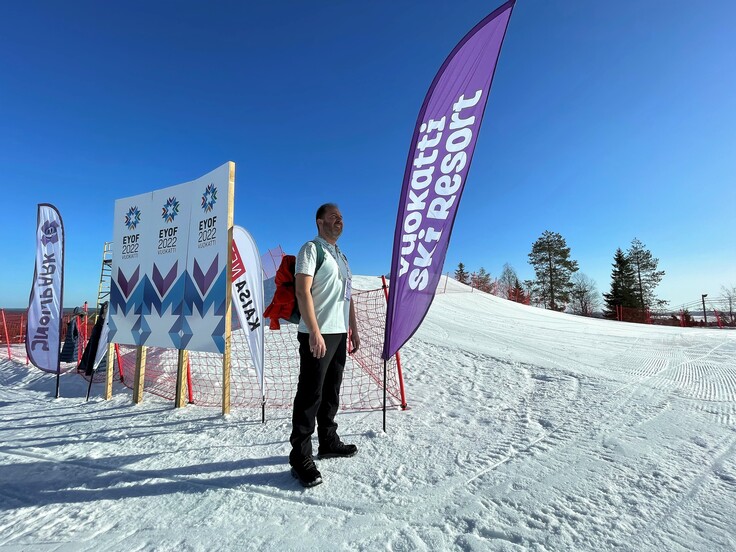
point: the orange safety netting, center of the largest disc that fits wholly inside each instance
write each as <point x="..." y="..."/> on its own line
<point x="362" y="387"/>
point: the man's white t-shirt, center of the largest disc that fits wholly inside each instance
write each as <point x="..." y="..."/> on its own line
<point x="330" y="286"/>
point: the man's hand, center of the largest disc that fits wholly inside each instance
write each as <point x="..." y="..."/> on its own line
<point x="317" y="345"/>
<point x="354" y="341"/>
<point x="303" y="285"/>
<point x="353" y="324"/>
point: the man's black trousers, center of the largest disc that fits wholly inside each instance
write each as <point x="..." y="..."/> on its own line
<point x="318" y="394"/>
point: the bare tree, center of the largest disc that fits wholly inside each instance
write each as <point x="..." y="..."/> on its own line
<point x="584" y="297"/>
<point x="506" y="281"/>
<point x="729" y="294"/>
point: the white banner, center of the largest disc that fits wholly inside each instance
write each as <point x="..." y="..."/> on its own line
<point x="169" y="265"/>
<point x="205" y="292"/>
<point x="102" y="344"/>
<point x="43" y="329"/>
<point x="133" y="218"/>
<point x="166" y="265"/>
<point x="248" y="295"/>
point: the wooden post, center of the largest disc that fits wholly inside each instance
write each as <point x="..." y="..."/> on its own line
<point x="110" y="370"/>
<point x="140" y="373"/>
<point x="181" y="378"/>
<point x="228" y="294"/>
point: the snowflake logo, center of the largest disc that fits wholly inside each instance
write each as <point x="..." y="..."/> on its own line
<point x="132" y="217"/>
<point x="170" y="209"/>
<point x="209" y="198"/>
<point x="50" y="232"/>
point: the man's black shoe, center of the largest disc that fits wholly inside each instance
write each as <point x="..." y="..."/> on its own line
<point x="337" y="450"/>
<point x="305" y="471"/>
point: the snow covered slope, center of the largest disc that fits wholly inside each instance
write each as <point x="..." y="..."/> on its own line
<point x="527" y="430"/>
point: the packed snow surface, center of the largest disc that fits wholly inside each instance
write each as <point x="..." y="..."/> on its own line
<point x="526" y="430"/>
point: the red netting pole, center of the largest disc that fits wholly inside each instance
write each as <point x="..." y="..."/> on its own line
<point x="398" y="358"/>
<point x="190" y="390"/>
<point x="120" y="362"/>
<point x="86" y="324"/>
<point x="82" y="336"/>
<point x="7" y="336"/>
<point x="718" y="318"/>
<point x="22" y="333"/>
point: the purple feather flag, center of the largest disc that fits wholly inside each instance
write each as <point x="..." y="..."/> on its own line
<point x="436" y="169"/>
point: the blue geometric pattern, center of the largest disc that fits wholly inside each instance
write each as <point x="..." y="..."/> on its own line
<point x="180" y="333"/>
<point x="192" y="297"/>
<point x="157" y="305"/>
<point x="144" y="302"/>
<point x="142" y="329"/>
<point x="195" y="306"/>
<point x="126" y="312"/>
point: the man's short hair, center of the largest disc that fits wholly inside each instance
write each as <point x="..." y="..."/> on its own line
<point x="323" y="208"/>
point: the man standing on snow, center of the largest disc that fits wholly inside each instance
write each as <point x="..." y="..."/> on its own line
<point x="324" y="296"/>
<point x="326" y="307"/>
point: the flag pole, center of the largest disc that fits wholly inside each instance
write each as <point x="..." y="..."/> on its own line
<point x="89" y="387"/>
<point x="444" y="138"/>
<point x="58" y="375"/>
<point x="61" y="304"/>
<point x="384" y="395"/>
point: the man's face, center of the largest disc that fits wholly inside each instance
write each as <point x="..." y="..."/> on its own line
<point x="331" y="224"/>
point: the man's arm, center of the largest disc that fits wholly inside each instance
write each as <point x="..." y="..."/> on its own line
<point x="354" y="337"/>
<point x="303" y="287"/>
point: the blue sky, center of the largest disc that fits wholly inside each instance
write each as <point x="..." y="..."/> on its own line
<point x="605" y="122"/>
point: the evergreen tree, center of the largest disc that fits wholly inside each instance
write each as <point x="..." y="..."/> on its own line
<point x="460" y="274"/>
<point x="481" y="280"/>
<point x="553" y="267"/>
<point x="517" y="293"/>
<point x="647" y="277"/>
<point x="687" y="317"/>
<point x="622" y="292"/>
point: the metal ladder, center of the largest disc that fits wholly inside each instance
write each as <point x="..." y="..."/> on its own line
<point x="103" y="291"/>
